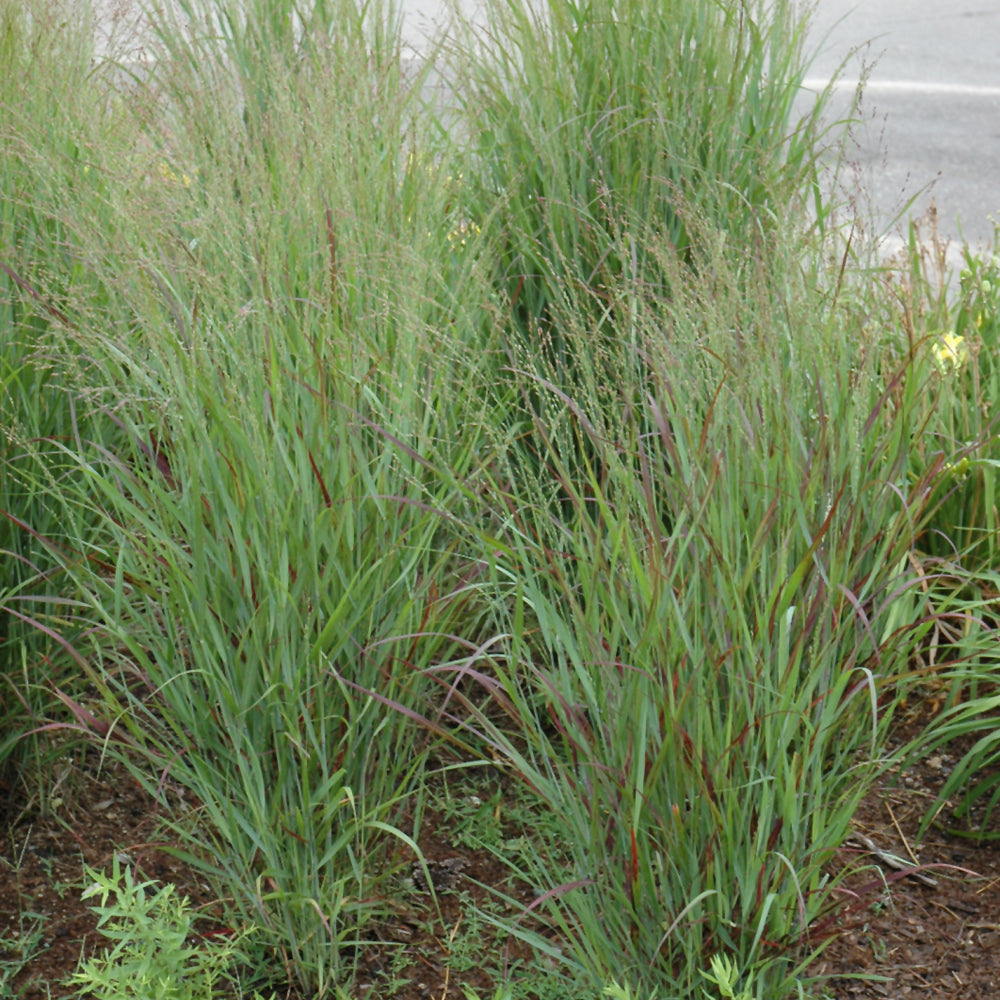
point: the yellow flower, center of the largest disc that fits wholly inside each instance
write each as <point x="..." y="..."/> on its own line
<point x="957" y="469"/>
<point x="168" y="174"/>
<point x="951" y="352"/>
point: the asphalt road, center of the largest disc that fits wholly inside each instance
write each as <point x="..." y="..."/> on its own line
<point x="931" y="107"/>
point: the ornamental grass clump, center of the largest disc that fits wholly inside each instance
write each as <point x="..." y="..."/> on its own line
<point x="593" y="128"/>
<point x="591" y="123"/>
<point x="267" y="348"/>
<point x="961" y="451"/>
<point x="704" y="640"/>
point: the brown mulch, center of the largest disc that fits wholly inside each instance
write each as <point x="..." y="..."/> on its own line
<point x="919" y="940"/>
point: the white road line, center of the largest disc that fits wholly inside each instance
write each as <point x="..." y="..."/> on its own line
<point x="907" y="87"/>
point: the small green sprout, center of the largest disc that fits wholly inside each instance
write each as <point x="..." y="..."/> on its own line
<point x="725" y="976"/>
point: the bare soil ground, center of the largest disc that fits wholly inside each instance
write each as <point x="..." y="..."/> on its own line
<point x="930" y="934"/>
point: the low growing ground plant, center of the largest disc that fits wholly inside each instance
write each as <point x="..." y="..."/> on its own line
<point x="152" y="956"/>
<point x="18" y="946"/>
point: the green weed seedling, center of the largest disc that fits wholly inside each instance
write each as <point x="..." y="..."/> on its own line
<point x="18" y="947"/>
<point x="616" y="992"/>
<point x="724" y="975"/>
<point x="152" y="957"/>
<point x="474" y="820"/>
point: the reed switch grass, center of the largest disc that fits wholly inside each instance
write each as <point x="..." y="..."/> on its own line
<point x="343" y="424"/>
